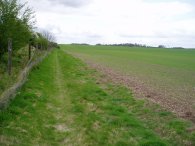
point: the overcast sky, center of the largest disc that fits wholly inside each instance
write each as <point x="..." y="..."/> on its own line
<point x="151" y="22"/>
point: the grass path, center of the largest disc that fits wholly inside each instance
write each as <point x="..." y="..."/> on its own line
<point x="63" y="103"/>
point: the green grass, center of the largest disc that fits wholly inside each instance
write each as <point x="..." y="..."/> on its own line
<point x="62" y="104"/>
<point x="169" y="72"/>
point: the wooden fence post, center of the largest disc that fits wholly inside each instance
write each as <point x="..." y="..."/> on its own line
<point x="9" y="56"/>
<point x="37" y="46"/>
<point x="29" y="51"/>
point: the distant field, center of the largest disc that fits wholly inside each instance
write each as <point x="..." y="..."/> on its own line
<point x="167" y="75"/>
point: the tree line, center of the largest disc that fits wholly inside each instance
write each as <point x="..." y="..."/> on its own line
<point x="125" y="44"/>
<point x="17" y="23"/>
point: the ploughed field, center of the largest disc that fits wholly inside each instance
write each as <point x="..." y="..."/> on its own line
<point x="165" y="76"/>
<point x="64" y="102"/>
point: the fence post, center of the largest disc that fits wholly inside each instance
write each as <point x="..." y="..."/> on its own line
<point x="37" y="46"/>
<point x="9" y="56"/>
<point x="29" y="51"/>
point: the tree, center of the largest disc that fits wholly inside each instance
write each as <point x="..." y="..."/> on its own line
<point x="45" y="40"/>
<point x="41" y="42"/>
<point x="16" y="22"/>
<point x="48" y="35"/>
<point x="161" y="46"/>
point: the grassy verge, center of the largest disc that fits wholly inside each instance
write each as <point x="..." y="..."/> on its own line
<point x="63" y="104"/>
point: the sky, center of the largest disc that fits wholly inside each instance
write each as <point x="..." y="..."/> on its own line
<point x="151" y="22"/>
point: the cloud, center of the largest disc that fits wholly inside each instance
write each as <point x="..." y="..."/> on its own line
<point x="151" y="22"/>
<point x="71" y="3"/>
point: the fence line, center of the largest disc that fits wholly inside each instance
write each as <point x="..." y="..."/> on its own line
<point x="11" y="92"/>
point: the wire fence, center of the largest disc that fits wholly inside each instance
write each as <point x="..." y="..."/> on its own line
<point x="10" y="93"/>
